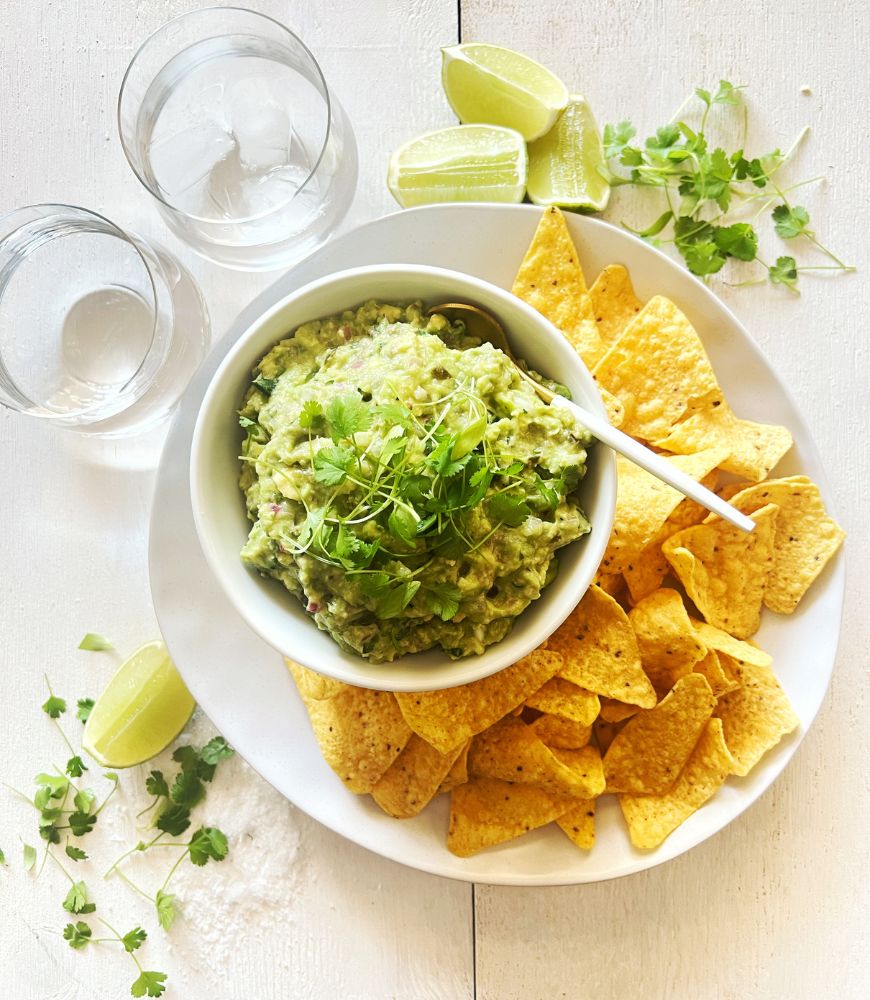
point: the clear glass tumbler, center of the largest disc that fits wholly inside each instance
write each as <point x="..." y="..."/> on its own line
<point x="226" y="119"/>
<point x="99" y="330"/>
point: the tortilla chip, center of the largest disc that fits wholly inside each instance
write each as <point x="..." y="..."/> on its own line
<point x="648" y="569"/>
<point x="605" y="732"/>
<point x="613" y="302"/>
<point x="647" y="755"/>
<point x="458" y="773"/>
<point x="360" y="732"/>
<point x="722" y="642"/>
<point x="651" y="818"/>
<point x="586" y="766"/>
<point x="600" y="651"/>
<point x="720" y="679"/>
<point x="561" y="697"/>
<point x="660" y="371"/>
<point x="312" y="684"/>
<point x="669" y="648"/>
<point x="487" y="811"/>
<point x="755" y="717"/>
<point x="510" y="751"/>
<point x="578" y="824"/>
<point x="643" y="505"/>
<point x="560" y="733"/>
<point x="753" y="449"/>
<point x="411" y="782"/>
<point x="805" y="539"/>
<point x="724" y="570"/>
<point x="449" y="717"/>
<point x="615" y="711"/>
<point x="551" y="280"/>
<point x="614" y="407"/>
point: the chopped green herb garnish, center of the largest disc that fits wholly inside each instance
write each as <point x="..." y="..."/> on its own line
<point x="84" y="709"/>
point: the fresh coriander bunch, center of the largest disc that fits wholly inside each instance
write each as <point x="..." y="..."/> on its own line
<point x="712" y="199"/>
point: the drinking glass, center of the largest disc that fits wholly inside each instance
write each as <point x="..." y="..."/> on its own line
<point x="226" y="119"/>
<point x="99" y="330"/>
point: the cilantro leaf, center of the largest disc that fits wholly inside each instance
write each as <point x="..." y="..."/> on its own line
<point x="84" y="709"/>
<point x="76" y="853"/>
<point x="311" y="413"/>
<point x="790" y="222"/>
<point x="738" y="240"/>
<point x="77" y="934"/>
<point x="75" y="766"/>
<point x="702" y="258"/>
<point x="617" y="137"/>
<point x="442" y="599"/>
<point x="346" y="415"/>
<point x="133" y="939"/>
<point x="265" y="385"/>
<point x="727" y="93"/>
<point x="155" y="784"/>
<point x="508" y="509"/>
<point x="81" y="823"/>
<point x="187" y="756"/>
<point x="50" y="786"/>
<point x="187" y="789"/>
<point x="77" y="899"/>
<point x="216" y="750"/>
<point x="784" y="272"/>
<point x="392" y="600"/>
<point x="149" y="984"/>
<point x="246" y="422"/>
<point x="2" y="857"/>
<point x="208" y="843"/>
<point x="54" y="707"/>
<point x="174" y="820"/>
<point x="94" y="642"/>
<point x="84" y="800"/>
<point x="331" y="465"/>
<point x="29" y="857"/>
<point x="166" y="912"/>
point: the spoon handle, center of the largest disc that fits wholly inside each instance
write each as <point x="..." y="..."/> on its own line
<point x="657" y="466"/>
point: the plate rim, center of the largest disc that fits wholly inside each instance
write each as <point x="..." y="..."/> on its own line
<point x="451" y="867"/>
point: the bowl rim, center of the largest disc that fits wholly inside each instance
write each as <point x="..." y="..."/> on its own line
<point x="391" y="676"/>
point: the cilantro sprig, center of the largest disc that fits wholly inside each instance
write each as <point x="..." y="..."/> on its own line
<point x="704" y="187"/>
<point x="69" y="812"/>
<point x="427" y="485"/>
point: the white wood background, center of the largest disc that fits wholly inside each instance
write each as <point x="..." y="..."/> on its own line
<point x="776" y="906"/>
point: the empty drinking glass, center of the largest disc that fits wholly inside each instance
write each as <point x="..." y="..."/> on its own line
<point x="226" y="119"/>
<point x="99" y="330"/>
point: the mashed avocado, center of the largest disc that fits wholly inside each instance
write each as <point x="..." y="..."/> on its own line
<point x="405" y="483"/>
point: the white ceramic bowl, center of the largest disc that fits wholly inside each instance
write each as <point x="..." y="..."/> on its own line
<point x="219" y="511"/>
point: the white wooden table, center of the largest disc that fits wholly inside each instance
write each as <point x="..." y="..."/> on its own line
<point x="774" y="907"/>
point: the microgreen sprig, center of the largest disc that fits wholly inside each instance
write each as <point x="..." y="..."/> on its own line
<point x="703" y="186"/>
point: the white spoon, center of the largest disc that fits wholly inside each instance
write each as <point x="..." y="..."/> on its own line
<point x="484" y="327"/>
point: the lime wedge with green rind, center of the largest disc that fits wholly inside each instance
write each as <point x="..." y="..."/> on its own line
<point x="565" y="165"/>
<point x="462" y="163"/>
<point x="493" y="85"/>
<point x="142" y="709"/>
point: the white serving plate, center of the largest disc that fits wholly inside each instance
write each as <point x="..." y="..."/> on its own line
<point x="242" y="684"/>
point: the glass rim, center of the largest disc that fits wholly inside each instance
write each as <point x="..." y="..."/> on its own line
<point x="123" y="392"/>
<point x="190" y="14"/>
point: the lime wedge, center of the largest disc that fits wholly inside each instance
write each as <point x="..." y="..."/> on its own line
<point x="463" y="163"/>
<point x="486" y="83"/>
<point x="564" y="164"/>
<point x="141" y="711"/>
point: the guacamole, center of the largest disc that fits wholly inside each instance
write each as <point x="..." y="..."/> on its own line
<point x="404" y="483"/>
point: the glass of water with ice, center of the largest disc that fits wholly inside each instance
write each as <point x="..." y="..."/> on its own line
<point x="100" y="330"/>
<point x="226" y="119"/>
